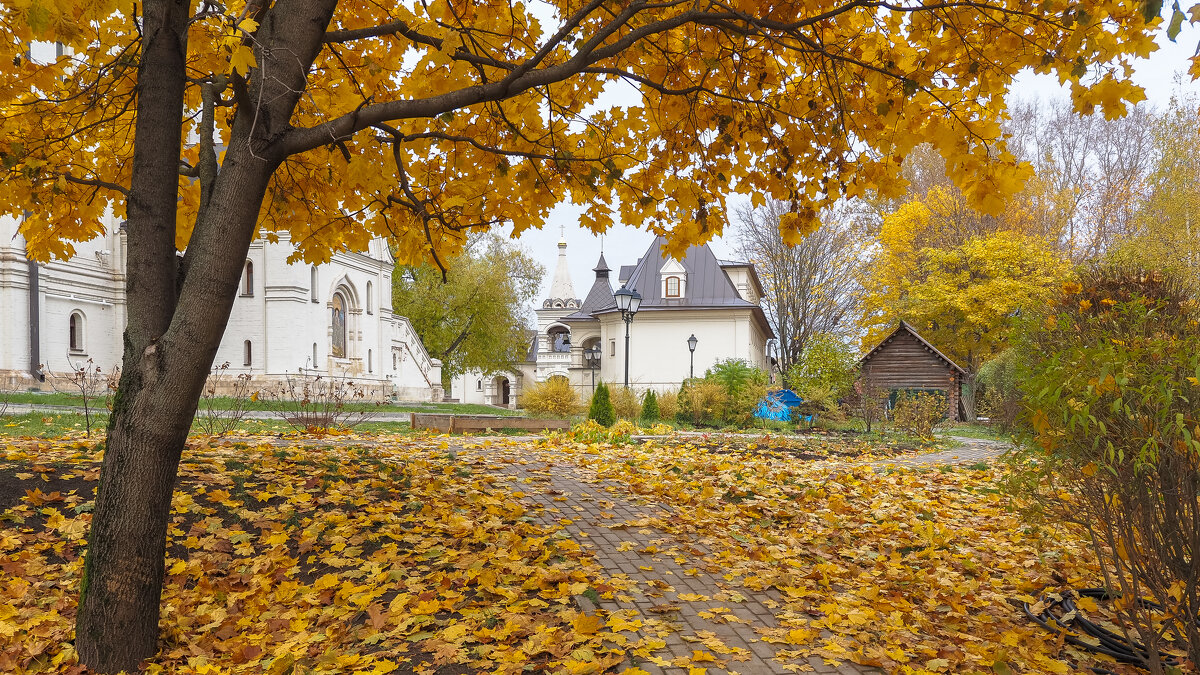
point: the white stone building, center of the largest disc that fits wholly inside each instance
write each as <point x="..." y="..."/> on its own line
<point x="334" y="318"/>
<point x="715" y="300"/>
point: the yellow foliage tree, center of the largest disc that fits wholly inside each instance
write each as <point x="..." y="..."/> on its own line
<point x="203" y="125"/>
<point x="965" y="298"/>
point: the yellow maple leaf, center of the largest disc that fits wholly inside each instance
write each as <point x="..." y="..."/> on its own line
<point x="241" y="60"/>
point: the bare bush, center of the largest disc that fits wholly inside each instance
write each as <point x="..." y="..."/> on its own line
<point x="917" y="413"/>
<point x="89" y="382"/>
<point x="315" y="403"/>
<point x="217" y="420"/>
<point x="626" y="404"/>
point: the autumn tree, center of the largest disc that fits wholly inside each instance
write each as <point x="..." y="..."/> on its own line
<point x="810" y="287"/>
<point x="1166" y="228"/>
<point x="475" y="318"/>
<point x="204" y="125"/>
<point x="965" y="299"/>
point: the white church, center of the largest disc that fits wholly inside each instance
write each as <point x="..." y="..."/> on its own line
<point x="331" y="319"/>
<point x="714" y="300"/>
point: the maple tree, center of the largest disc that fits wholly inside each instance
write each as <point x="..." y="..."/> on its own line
<point x="338" y="121"/>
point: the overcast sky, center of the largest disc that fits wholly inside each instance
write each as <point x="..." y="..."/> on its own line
<point x="1160" y="74"/>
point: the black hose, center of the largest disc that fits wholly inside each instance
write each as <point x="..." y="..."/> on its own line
<point x="1058" y="605"/>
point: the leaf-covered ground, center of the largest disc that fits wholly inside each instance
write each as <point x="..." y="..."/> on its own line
<point x="426" y="555"/>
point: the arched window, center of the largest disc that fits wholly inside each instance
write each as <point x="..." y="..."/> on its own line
<point x="370" y="362"/>
<point x="248" y="279"/>
<point x="314" y="364"/>
<point x="247" y="355"/>
<point x="338" y="324"/>
<point x="672" y="287"/>
<point x="393" y="360"/>
<point x="370" y="299"/>
<point x="560" y="339"/>
<point x="312" y="283"/>
<point x="75" y="328"/>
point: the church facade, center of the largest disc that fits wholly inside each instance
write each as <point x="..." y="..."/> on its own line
<point x="715" y="300"/>
<point x="333" y="319"/>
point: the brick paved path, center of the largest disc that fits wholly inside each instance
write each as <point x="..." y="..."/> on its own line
<point x="615" y="528"/>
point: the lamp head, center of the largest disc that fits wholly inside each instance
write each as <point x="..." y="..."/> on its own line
<point x="623" y="296"/>
<point x="692" y="343"/>
<point x="635" y="302"/>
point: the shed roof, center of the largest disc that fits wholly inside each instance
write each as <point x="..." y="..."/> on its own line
<point x="905" y="326"/>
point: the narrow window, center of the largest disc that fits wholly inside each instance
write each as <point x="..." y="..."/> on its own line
<point x="314" y="365"/>
<point x="370" y="362"/>
<point x="312" y="283"/>
<point x="248" y="279"/>
<point x="247" y="356"/>
<point x="393" y="360"/>
<point x="672" y="287"/>
<point x="338" y="324"/>
<point x="75" y="328"/>
<point x="612" y="347"/>
<point x="370" y="299"/>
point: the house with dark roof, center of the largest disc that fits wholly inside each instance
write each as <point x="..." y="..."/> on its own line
<point x="905" y="361"/>
<point x="715" y="300"/>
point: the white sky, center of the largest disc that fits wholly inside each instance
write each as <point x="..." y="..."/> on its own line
<point x="1160" y="75"/>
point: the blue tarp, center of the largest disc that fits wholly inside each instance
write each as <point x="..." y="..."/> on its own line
<point x="778" y="405"/>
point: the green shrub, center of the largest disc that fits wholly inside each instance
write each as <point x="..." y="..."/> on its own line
<point x="1111" y="380"/>
<point x="601" y="410"/>
<point x="554" y="396"/>
<point x="917" y="413"/>
<point x="650" y="407"/>
<point x="742" y="387"/>
<point x="827" y="363"/>
<point x="820" y="400"/>
<point x="625" y="404"/>
<point x="1001" y="401"/>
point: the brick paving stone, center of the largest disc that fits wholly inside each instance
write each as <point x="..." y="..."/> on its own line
<point x="598" y="513"/>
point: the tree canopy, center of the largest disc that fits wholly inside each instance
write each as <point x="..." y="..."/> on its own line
<point x="417" y="121"/>
<point x="475" y="318"/>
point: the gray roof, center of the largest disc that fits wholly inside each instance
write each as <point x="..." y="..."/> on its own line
<point x="626" y="271"/>
<point x="599" y="297"/>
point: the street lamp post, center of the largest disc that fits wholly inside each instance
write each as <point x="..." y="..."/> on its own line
<point x="692" y="348"/>
<point x="591" y="355"/>
<point x="628" y="301"/>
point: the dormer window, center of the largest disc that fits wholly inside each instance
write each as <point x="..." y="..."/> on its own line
<point x="673" y="280"/>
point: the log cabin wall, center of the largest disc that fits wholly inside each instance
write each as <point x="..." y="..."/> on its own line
<point x="904" y="362"/>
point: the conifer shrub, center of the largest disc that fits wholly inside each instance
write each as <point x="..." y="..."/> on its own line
<point x="650" y="407"/>
<point x="625" y="403"/>
<point x="1111" y="379"/>
<point x="554" y="396"/>
<point x="601" y="410"/>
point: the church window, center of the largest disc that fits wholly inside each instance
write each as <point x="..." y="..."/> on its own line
<point x="672" y="287"/>
<point x="247" y="355"/>
<point x="478" y="385"/>
<point x="312" y="283"/>
<point x="370" y="362"/>
<point x="75" y="328"/>
<point x="248" y="279"/>
<point x="314" y="363"/>
<point x="560" y="339"/>
<point x="338" y="325"/>
<point x="370" y="298"/>
<point x="393" y="360"/>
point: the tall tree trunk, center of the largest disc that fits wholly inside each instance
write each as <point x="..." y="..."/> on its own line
<point x="176" y="318"/>
<point x="117" y="623"/>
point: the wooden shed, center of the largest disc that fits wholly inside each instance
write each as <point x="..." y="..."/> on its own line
<point x="904" y="361"/>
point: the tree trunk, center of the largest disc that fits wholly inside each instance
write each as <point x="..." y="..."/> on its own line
<point x="117" y="623"/>
<point x="177" y="314"/>
<point x="969" y="386"/>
